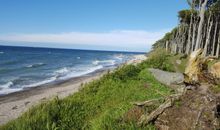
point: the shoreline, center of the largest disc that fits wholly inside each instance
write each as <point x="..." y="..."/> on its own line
<point x="15" y="104"/>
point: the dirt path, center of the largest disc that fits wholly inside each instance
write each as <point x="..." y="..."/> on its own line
<point x="197" y="109"/>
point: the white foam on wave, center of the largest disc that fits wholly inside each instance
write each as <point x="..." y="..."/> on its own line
<point x="49" y="80"/>
<point x="62" y="70"/>
<point x="35" y="65"/>
<point x="5" y="88"/>
<point x="9" y="90"/>
<point x="119" y="56"/>
<point x="1" y="52"/>
<point x="109" y="62"/>
<point x="7" y="85"/>
<point x="82" y="72"/>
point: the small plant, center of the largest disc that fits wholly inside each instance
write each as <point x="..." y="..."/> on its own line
<point x="215" y="89"/>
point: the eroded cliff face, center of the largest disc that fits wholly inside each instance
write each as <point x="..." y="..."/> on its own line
<point x="199" y="27"/>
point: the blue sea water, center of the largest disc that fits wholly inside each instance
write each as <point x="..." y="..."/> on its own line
<point x="25" y="67"/>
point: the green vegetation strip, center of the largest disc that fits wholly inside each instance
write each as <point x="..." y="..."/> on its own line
<point x="101" y="104"/>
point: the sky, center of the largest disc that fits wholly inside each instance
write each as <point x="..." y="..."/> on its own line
<point x="121" y="25"/>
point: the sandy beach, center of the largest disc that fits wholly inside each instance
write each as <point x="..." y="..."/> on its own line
<point x="14" y="104"/>
<point x="137" y="59"/>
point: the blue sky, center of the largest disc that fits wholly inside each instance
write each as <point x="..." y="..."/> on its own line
<point x="128" y="25"/>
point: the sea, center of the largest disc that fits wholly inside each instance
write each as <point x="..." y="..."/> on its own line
<point x="26" y="67"/>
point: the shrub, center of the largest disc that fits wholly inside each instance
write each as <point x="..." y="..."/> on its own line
<point x="159" y="58"/>
<point x="126" y="72"/>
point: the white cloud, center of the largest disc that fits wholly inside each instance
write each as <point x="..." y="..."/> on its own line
<point x="116" y="38"/>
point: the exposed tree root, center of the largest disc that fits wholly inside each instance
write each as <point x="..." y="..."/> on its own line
<point x="145" y="119"/>
<point x="198" y="118"/>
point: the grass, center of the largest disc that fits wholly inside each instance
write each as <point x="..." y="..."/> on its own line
<point x="161" y="59"/>
<point x="102" y="104"/>
<point x="183" y="62"/>
<point x="215" y="89"/>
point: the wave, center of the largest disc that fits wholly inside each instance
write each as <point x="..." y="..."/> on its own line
<point x="9" y="90"/>
<point x="5" y="88"/>
<point x="7" y="85"/>
<point x="49" y="80"/>
<point x="105" y="62"/>
<point x="1" y="52"/>
<point x="119" y="56"/>
<point x="62" y="70"/>
<point x="81" y="73"/>
<point x="60" y="74"/>
<point x="35" y="65"/>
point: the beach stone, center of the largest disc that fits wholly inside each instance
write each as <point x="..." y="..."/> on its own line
<point x="167" y="78"/>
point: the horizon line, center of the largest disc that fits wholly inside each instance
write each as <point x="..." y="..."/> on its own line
<point x="101" y="50"/>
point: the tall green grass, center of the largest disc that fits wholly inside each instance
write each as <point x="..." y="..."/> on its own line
<point x="100" y="105"/>
<point x="160" y="59"/>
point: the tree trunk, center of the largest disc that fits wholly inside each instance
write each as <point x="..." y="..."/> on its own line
<point x="208" y="37"/>
<point x="205" y="28"/>
<point x="214" y="40"/>
<point x="189" y="36"/>
<point x="217" y="51"/>
<point x="167" y="42"/>
<point x="193" y="37"/>
<point x="201" y="15"/>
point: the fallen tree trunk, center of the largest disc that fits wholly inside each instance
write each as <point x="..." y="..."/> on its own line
<point x="145" y="119"/>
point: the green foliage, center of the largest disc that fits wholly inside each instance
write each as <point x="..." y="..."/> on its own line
<point x="162" y="42"/>
<point x="215" y="89"/>
<point x="160" y="59"/>
<point x="126" y="72"/>
<point x="100" y="104"/>
<point x="185" y="16"/>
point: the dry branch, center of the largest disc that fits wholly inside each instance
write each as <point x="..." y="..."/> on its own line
<point x="145" y="119"/>
<point x="148" y="103"/>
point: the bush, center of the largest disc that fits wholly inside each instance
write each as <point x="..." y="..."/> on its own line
<point x="126" y="72"/>
<point x="159" y="58"/>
